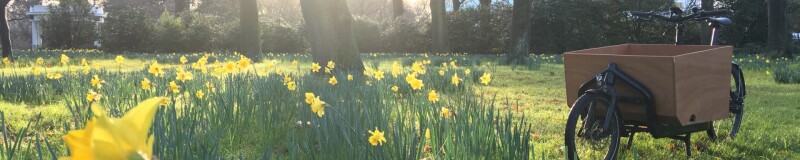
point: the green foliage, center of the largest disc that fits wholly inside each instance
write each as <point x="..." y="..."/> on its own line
<point x="786" y="71"/>
<point x="367" y="34"/>
<point x="404" y="36"/>
<point x="69" y="25"/>
<point x="127" y="29"/>
<point x="169" y="35"/>
<point x="278" y="36"/>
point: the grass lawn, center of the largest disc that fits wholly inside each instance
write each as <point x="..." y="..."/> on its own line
<point x="769" y="130"/>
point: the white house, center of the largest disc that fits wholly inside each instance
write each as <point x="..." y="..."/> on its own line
<point x="37" y="12"/>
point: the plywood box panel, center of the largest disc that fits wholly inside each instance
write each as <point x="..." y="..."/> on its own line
<point x="686" y="80"/>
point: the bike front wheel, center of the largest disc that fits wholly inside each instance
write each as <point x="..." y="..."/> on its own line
<point x="585" y="134"/>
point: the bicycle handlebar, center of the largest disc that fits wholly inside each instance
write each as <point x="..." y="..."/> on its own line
<point x="697" y="15"/>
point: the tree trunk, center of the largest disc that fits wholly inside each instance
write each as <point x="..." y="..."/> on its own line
<point x="438" y="27"/>
<point x="520" y="32"/>
<point x="180" y="6"/>
<point x="330" y="34"/>
<point x="397" y="8"/>
<point x="705" y="30"/>
<point x="457" y="5"/>
<point x="776" y="32"/>
<point x="5" y="35"/>
<point x="486" y="37"/>
<point x="250" y="44"/>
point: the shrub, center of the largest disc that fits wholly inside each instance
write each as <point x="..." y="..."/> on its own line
<point x="168" y="31"/>
<point x="786" y="72"/>
<point x="278" y="36"/>
<point x="196" y="31"/>
<point x="127" y="30"/>
<point x="367" y="34"/>
<point x="71" y="24"/>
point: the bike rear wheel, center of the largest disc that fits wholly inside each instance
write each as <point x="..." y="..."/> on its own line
<point x="733" y="123"/>
<point x="585" y="134"/>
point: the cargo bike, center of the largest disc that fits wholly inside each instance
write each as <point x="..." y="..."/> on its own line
<point x="669" y="91"/>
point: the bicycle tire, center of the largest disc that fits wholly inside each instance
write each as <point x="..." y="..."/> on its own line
<point x="581" y="110"/>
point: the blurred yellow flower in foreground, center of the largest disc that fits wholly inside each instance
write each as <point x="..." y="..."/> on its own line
<point x="433" y="97"/>
<point x="123" y="138"/>
<point x="396" y="69"/>
<point x="377" y="137"/>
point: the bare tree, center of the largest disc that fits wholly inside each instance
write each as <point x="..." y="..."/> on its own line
<point x="439" y="27"/>
<point x="777" y="27"/>
<point x="250" y="44"/>
<point x="705" y="31"/>
<point x="485" y="25"/>
<point x="181" y="5"/>
<point x="457" y="4"/>
<point x="520" y="32"/>
<point x="330" y="34"/>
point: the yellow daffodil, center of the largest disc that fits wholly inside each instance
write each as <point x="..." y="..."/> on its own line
<point x="427" y="133"/>
<point x="183" y="60"/>
<point x="378" y="75"/>
<point x="486" y="78"/>
<point x="230" y="67"/>
<point x="394" y="88"/>
<point x="39" y="61"/>
<point x="120" y="59"/>
<point x="84" y="62"/>
<point x="64" y="59"/>
<point x="332" y="80"/>
<point x="441" y="72"/>
<point x="86" y="69"/>
<point x="417" y="67"/>
<point x="294" y="63"/>
<point x="97" y="82"/>
<point x="291" y="86"/>
<point x="331" y="64"/>
<point x="210" y="87"/>
<point x="455" y="80"/>
<point x="156" y="69"/>
<point x="92" y="96"/>
<point x="396" y="69"/>
<point x="446" y="113"/>
<point x="376" y="137"/>
<point x="199" y="94"/>
<point x="416" y="84"/>
<point x="318" y="106"/>
<point x="453" y="64"/>
<point x="349" y="77"/>
<point x="309" y="98"/>
<point x="243" y="63"/>
<point x="36" y="71"/>
<point x="146" y="85"/>
<point x="183" y="76"/>
<point x="327" y="70"/>
<point x="6" y="61"/>
<point x="467" y="71"/>
<point x="115" y="138"/>
<point x="315" y="67"/>
<point x="433" y="97"/>
<point x="174" y="87"/>
<point x="53" y="76"/>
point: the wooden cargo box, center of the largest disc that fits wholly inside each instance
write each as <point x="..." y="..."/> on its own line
<point x="690" y="83"/>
